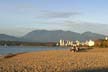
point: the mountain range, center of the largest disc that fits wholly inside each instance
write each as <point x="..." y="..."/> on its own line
<point x="52" y="36"/>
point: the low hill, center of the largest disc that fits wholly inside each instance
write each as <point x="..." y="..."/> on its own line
<point x="8" y="37"/>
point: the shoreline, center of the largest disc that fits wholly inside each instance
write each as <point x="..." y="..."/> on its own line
<point x="16" y="49"/>
<point x="9" y="55"/>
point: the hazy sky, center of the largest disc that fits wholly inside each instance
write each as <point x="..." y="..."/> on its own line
<point x="17" y="17"/>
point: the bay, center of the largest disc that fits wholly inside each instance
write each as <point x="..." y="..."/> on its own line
<point x="19" y="49"/>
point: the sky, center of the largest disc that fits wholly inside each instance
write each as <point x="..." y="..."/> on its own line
<point x="18" y="17"/>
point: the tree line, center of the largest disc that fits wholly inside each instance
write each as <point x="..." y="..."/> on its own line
<point x="101" y="43"/>
<point x="19" y="43"/>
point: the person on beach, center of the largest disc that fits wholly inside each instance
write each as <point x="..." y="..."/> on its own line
<point x="74" y="48"/>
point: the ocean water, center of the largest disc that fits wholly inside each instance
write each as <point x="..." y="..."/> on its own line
<point x="19" y="49"/>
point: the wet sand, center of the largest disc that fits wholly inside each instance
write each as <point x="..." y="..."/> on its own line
<point x="94" y="60"/>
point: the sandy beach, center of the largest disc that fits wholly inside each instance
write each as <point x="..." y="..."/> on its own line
<point x="94" y="60"/>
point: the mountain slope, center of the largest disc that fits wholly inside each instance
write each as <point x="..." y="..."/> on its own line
<point x="8" y="37"/>
<point x="89" y="35"/>
<point x="53" y="36"/>
<point x="50" y="36"/>
<point x="4" y="37"/>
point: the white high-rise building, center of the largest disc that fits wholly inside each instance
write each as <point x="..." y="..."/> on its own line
<point x="106" y="38"/>
<point x="62" y="43"/>
<point x="91" y="43"/>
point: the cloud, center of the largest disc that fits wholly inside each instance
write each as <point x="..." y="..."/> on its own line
<point x="49" y="14"/>
<point x="49" y="22"/>
<point x="79" y="27"/>
<point x="86" y="26"/>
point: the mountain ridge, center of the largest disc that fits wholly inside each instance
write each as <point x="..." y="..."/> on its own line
<point x="52" y="36"/>
<point x="55" y="35"/>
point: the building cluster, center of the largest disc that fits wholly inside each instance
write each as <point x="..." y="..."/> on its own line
<point x="78" y="43"/>
<point x="66" y="43"/>
<point x="90" y="43"/>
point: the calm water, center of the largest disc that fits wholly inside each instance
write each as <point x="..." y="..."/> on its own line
<point x="16" y="49"/>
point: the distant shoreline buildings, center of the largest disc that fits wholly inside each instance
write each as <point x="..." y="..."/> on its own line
<point x="77" y="42"/>
<point x="89" y="43"/>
